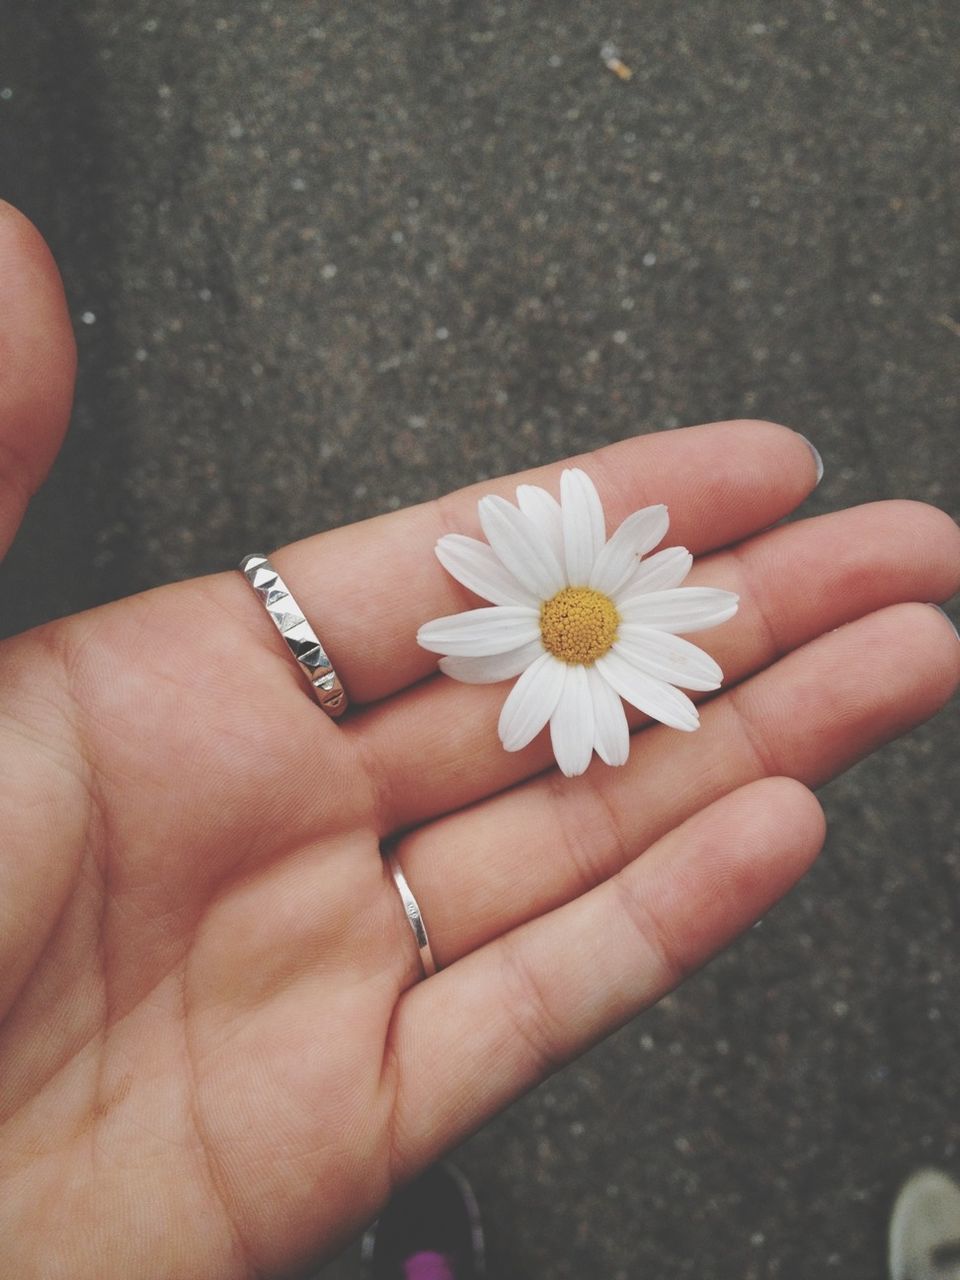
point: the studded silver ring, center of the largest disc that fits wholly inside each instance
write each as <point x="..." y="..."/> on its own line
<point x="301" y="639"/>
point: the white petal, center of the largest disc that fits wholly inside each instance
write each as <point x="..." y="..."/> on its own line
<point x="522" y="547"/>
<point x="531" y="702"/>
<point x="661" y="572"/>
<point x="476" y="565"/>
<point x="655" y="698"/>
<point x="494" y="667"/>
<point x="619" y="559"/>
<point x="667" y="657"/>
<point x="583" y="527"/>
<point x="681" y="610"/>
<point x="480" y="632"/>
<point x="544" y="510"/>
<point x="611" y="733"/>
<point x="571" y="725"/>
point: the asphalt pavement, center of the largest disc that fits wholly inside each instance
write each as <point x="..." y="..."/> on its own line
<point x="328" y="260"/>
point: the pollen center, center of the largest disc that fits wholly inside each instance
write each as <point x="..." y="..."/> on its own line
<point x="578" y="625"/>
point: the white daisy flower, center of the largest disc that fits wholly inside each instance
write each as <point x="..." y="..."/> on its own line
<point x="582" y="621"/>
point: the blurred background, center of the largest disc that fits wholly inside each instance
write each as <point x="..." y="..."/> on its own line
<point x="325" y="260"/>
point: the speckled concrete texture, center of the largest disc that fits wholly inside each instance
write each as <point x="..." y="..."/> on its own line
<point x="326" y="260"/>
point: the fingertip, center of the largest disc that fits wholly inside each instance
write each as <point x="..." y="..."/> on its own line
<point x="793" y="807"/>
<point x="815" y="455"/>
<point x="934" y="538"/>
<point x="943" y="613"/>
<point x="37" y="365"/>
<point x="773" y="439"/>
<point x="931" y="637"/>
<point x="776" y="828"/>
<point x="944" y="650"/>
<point x="31" y="288"/>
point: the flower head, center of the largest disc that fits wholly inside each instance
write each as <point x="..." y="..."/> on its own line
<point x="582" y="620"/>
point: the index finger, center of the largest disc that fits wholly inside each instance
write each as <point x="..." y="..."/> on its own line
<point x="367" y="588"/>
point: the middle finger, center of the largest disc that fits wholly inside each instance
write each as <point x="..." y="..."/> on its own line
<point x="485" y="870"/>
<point x="435" y="748"/>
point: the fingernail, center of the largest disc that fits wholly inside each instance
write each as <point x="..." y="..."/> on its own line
<point x="947" y="616"/>
<point x="816" y="455"/>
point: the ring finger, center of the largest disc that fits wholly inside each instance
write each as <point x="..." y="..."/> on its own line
<point x="483" y="871"/>
<point x="437" y="747"/>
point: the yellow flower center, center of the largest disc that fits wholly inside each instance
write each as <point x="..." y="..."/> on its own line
<point x="578" y="625"/>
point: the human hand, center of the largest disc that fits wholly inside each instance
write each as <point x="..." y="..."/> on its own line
<point x="216" y="1055"/>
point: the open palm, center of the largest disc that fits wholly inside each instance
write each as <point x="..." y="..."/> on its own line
<point x="217" y="1057"/>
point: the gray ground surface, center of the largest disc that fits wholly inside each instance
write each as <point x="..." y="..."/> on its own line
<point x="326" y="260"/>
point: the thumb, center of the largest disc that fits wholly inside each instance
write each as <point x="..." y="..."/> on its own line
<point x="37" y="366"/>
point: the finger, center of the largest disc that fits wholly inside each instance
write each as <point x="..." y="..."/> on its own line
<point x="531" y="1001"/>
<point x="367" y="588"/>
<point x="812" y="715"/>
<point x="794" y="583"/>
<point x="37" y="366"/>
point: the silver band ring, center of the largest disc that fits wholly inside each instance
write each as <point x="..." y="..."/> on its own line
<point x="302" y="640"/>
<point x="415" y="919"/>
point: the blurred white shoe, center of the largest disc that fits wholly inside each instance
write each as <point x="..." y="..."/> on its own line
<point x="925" y="1228"/>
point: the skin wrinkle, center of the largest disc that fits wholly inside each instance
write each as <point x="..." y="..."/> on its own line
<point x="100" y="775"/>
<point x="70" y="888"/>
<point x="391" y="1074"/>
<point x="756" y="608"/>
<point x="67" y="705"/>
<point x="61" y="756"/>
<point x="375" y="775"/>
<point x="239" y="875"/>
<point x="102" y="865"/>
<point x="529" y="1010"/>
<point x="669" y="967"/>
<point x="764" y="755"/>
<point x="16" y="472"/>
<point x="304" y="966"/>
<point x="102" y="1030"/>
<point x="213" y="1172"/>
<point x="69" y="641"/>
<point x="54" y="929"/>
<point x="398" y="984"/>
<point x="117" y="1017"/>
<point x="588" y="870"/>
<point x="60" y="700"/>
<point x="745" y="576"/>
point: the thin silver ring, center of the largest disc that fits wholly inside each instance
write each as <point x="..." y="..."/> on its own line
<point x="300" y="637"/>
<point x="412" y="911"/>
